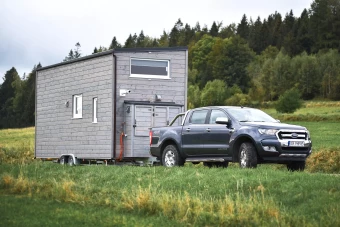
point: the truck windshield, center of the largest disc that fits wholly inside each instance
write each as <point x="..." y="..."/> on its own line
<point x="250" y="115"/>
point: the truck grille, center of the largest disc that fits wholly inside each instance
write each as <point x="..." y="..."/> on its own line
<point x="292" y="135"/>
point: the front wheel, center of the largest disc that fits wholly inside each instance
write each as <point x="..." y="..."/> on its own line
<point x="171" y="157"/>
<point x="296" y="166"/>
<point x="247" y="156"/>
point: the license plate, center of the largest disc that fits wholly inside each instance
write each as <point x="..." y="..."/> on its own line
<point x="296" y="143"/>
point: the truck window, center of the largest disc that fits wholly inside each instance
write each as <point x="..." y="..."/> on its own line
<point x="215" y="114"/>
<point x="198" y="117"/>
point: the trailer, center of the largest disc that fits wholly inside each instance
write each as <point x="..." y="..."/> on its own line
<point x="100" y="107"/>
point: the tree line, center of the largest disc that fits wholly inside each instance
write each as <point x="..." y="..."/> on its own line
<point x="249" y="63"/>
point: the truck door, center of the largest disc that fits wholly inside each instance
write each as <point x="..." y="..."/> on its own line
<point x="217" y="136"/>
<point x="192" y="133"/>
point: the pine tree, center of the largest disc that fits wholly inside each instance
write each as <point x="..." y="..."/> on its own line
<point x="141" y="40"/>
<point x="73" y="54"/>
<point x="129" y="42"/>
<point x="304" y="39"/>
<point x="243" y="28"/>
<point x="7" y="94"/>
<point x="114" y="43"/>
<point x="164" y="40"/>
<point x="175" y="33"/>
<point x="197" y="27"/>
<point x="214" y="30"/>
<point x="255" y="36"/>
<point x="95" y="50"/>
<point x="77" y="53"/>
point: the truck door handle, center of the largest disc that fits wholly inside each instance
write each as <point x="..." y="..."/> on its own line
<point x="188" y="129"/>
<point x="208" y="129"/>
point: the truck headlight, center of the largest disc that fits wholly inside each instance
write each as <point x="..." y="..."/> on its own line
<point x="308" y="134"/>
<point x="267" y="131"/>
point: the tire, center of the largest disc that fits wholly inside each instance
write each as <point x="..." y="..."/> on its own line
<point x="216" y="164"/>
<point x="171" y="157"/>
<point x="63" y="160"/>
<point x="70" y="161"/>
<point x="247" y="156"/>
<point x="296" y="166"/>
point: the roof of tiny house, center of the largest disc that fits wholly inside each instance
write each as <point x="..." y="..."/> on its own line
<point x="119" y="50"/>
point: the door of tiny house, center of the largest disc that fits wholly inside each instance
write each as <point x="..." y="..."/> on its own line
<point x="139" y="117"/>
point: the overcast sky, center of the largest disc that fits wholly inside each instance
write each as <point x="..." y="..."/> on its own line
<point x="33" y="31"/>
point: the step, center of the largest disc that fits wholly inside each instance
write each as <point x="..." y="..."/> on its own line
<point x="205" y="159"/>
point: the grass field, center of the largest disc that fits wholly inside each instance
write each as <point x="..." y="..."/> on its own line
<point x="155" y="196"/>
<point x="193" y="195"/>
<point x="312" y="112"/>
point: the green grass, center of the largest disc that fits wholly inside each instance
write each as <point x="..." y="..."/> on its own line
<point x="34" y="211"/>
<point x="323" y="134"/>
<point x="311" y="112"/>
<point x="16" y="137"/>
<point x="193" y="195"/>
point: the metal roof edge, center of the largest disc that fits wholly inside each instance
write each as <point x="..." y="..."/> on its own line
<point x="151" y="49"/>
<point x="119" y="50"/>
<point x="77" y="59"/>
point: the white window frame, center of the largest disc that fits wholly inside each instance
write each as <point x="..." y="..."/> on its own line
<point x="95" y="110"/>
<point x="77" y="106"/>
<point x="151" y="76"/>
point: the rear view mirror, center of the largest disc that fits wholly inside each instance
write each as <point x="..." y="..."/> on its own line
<point x="222" y="120"/>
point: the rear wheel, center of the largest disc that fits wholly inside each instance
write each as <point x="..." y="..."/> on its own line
<point x="171" y="157"/>
<point x="296" y="166"/>
<point x="247" y="155"/>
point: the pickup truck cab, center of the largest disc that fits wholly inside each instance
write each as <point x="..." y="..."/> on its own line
<point x="218" y="135"/>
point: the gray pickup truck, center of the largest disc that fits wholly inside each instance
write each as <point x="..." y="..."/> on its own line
<point x="218" y="135"/>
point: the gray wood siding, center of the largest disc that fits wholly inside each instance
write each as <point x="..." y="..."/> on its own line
<point x="142" y="89"/>
<point x="56" y="132"/>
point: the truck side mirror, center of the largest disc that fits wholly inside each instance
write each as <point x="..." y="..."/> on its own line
<point x="222" y="121"/>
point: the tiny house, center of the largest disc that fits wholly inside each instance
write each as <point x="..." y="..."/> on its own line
<point x="100" y="107"/>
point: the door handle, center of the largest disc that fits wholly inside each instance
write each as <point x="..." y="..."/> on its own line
<point x="208" y="129"/>
<point x="188" y="129"/>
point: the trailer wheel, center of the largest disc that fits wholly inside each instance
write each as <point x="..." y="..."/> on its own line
<point x="70" y="161"/>
<point x="63" y="160"/>
<point x="171" y="157"/>
<point x="247" y="155"/>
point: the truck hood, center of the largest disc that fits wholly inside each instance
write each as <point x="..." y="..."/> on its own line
<point x="276" y="125"/>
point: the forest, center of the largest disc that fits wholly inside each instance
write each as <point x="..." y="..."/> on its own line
<point x="251" y="63"/>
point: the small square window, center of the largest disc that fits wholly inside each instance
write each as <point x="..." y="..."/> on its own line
<point x="77" y="106"/>
<point x="95" y="110"/>
<point x="150" y="68"/>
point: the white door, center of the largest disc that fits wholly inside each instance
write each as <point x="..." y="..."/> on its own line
<point x="143" y="120"/>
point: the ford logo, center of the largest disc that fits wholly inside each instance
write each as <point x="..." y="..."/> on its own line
<point x="295" y="135"/>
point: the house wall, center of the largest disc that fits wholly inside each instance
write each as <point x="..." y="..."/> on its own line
<point x="143" y="89"/>
<point x="56" y="132"/>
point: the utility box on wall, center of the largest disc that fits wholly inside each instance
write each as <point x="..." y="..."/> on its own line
<point x="84" y="106"/>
